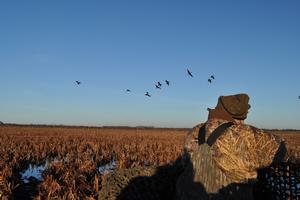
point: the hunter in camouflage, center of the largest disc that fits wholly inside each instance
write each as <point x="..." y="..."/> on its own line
<point x="224" y="154"/>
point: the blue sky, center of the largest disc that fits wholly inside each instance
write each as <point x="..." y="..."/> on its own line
<point x="250" y="46"/>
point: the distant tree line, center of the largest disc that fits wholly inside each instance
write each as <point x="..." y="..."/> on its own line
<point x="119" y="127"/>
<point x="93" y="127"/>
<point x="282" y="130"/>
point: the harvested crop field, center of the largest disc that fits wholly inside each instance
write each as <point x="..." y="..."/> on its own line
<point x="69" y="162"/>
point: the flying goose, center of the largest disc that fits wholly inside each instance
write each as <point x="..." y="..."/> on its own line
<point x="147" y="94"/>
<point x="190" y="73"/>
<point x="167" y="82"/>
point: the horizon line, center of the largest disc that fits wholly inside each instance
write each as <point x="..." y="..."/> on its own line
<point x="122" y="126"/>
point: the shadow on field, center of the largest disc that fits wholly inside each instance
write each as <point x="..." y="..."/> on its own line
<point x="27" y="191"/>
<point x="162" y="185"/>
<point x="24" y="191"/>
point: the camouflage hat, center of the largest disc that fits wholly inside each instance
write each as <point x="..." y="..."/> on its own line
<point x="236" y="105"/>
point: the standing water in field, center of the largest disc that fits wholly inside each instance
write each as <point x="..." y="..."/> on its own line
<point x="107" y="168"/>
<point x="34" y="171"/>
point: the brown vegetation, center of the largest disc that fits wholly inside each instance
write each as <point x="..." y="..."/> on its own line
<point x="75" y="154"/>
<point x="292" y="139"/>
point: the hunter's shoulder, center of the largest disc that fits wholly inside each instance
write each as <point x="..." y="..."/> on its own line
<point x="257" y="132"/>
<point x="195" y="130"/>
<point x="198" y="126"/>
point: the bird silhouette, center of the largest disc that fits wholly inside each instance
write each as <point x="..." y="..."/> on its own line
<point x="209" y="80"/>
<point x="212" y="76"/>
<point x="78" y="82"/>
<point x="128" y="90"/>
<point x="167" y="82"/>
<point x="299" y="97"/>
<point x="147" y="94"/>
<point x="157" y="87"/>
<point x="189" y="72"/>
<point x="159" y="84"/>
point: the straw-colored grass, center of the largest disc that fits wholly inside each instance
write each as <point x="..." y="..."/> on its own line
<point x="79" y="151"/>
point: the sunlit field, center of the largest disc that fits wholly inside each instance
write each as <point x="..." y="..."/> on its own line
<point x="69" y="162"/>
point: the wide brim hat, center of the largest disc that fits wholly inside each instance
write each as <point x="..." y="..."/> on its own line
<point x="236" y="105"/>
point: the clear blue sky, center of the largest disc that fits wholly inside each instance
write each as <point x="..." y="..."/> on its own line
<point x="250" y="46"/>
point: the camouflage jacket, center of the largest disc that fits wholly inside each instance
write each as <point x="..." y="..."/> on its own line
<point x="226" y="167"/>
<point x="240" y="150"/>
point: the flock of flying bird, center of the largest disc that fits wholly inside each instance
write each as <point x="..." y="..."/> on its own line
<point x="158" y="85"/>
<point x="209" y="80"/>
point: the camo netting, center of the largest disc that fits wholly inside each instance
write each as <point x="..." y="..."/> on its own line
<point x="146" y="183"/>
<point x="280" y="181"/>
<point x="113" y="184"/>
